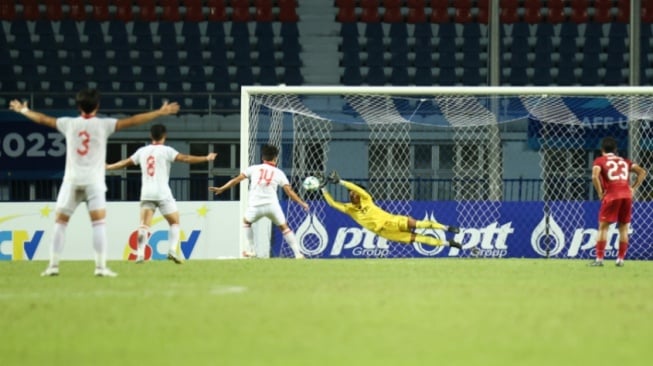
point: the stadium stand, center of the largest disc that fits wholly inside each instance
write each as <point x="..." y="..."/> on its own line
<point x="215" y="46"/>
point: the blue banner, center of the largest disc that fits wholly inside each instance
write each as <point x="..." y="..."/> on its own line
<point x="522" y="231"/>
<point x="26" y="147"/>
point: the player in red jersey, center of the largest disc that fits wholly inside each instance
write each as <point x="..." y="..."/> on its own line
<point x="611" y="179"/>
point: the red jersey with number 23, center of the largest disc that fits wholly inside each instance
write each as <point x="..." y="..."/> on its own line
<point x="615" y="176"/>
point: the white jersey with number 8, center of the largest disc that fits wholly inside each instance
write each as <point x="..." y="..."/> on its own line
<point x="155" y="162"/>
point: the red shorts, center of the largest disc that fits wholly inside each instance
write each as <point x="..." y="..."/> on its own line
<point x="616" y="210"/>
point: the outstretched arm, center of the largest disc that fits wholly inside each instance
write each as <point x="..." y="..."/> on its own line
<point x="353" y="187"/>
<point x="120" y="164"/>
<point x="195" y="159"/>
<point x="331" y="202"/>
<point x="229" y="184"/>
<point x="142" y="118"/>
<point x="293" y="196"/>
<point x="40" y="118"/>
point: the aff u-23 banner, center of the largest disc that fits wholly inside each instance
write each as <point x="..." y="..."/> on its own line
<point x="521" y="231"/>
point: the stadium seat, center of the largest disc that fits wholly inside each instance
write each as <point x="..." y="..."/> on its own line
<point x="101" y="11"/>
<point x="7" y="11"/>
<point x="293" y="76"/>
<point x="288" y="11"/>
<point x="217" y="11"/>
<point x="123" y="10"/>
<point x="375" y="53"/>
<point x="422" y="30"/>
<point x="398" y="30"/>
<point x="146" y="11"/>
<point x="375" y="76"/>
<point x="170" y="13"/>
<point x="54" y="10"/>
<point x="446" y="76"/>
<point x="614" y="76"/>
<point x="423" y="76"/>
<point x="518" y="76"/>
<point x="542" y="76"/>
<point x="352" y="76"/>
<point x="399" y="76"/>
<point x="268" y="76"/>
<point x="423" y="53"/>
<point x="472" y="76"/>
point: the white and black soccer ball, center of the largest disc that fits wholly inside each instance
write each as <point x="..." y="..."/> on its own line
<point x="311" y="183"/>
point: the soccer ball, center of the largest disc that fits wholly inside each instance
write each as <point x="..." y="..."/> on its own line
<point x="311" y="183"/>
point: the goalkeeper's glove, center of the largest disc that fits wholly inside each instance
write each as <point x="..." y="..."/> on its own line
<point x="334" y="177"/>
<point x="322" y="179"/>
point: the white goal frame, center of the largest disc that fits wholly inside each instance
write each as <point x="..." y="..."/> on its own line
<point x="248" y="91"/>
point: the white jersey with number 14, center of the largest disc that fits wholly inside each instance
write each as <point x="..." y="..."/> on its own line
<point x="264" y="179"/>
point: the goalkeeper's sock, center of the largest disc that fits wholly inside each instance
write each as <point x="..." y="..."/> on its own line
<point x="143" y="234"/>
<point x="600" y="250"/>
<point x="100" y="243"/>
<point x="289" y="237"/>
<point x="57" y="243"/>
<point x="429" y="240"/>
<point x="173" y="238"/>
<point x="623" y="248"/>
<point x="427" y="224"/>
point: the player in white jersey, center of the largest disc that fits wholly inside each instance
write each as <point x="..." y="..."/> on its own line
<point x="84" y="181"/>
<point x="263" y="201"/>
<point x="154" y="160"/>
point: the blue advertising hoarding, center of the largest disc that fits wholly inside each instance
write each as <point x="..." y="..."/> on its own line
<point x="522" y="231"/>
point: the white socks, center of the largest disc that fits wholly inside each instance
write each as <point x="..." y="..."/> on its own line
<point x="100" y="243"/>
<point x="173" y="238"/>
<point x="143" y="234"/>
<point x="57" y="243"/>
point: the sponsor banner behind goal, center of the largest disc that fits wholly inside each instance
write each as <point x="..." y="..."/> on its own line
<point x="522" y="231"/>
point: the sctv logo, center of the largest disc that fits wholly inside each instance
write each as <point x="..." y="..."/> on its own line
<point x="157" y="245"/>
<point x="19" y="244"/>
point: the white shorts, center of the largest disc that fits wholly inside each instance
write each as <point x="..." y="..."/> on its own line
<point x="71" y="196"/>
<point x="166" y="207"/>
<point x="271" y="211"/>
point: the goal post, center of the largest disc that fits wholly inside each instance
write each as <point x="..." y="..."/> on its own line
<point x="509" y="165"/>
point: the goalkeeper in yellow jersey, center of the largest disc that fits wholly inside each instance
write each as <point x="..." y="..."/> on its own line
<point x="366" y="213"/>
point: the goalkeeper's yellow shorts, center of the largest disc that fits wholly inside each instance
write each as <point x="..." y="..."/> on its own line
<point x="396" y="229"/>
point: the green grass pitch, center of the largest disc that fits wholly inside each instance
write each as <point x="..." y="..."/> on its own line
<point x="328" y="312"/>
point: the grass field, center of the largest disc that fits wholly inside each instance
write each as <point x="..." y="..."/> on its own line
<point x="328" y="312"/>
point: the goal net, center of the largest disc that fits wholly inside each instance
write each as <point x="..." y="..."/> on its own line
<point x="511" y="166"/>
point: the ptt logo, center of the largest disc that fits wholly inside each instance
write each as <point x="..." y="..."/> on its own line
<point x="19" y="244"/>
<point x="549" y="238"/>
<point x="157" y="245"/>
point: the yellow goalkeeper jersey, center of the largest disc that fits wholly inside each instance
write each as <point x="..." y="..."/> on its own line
<point x="368" y="215"/>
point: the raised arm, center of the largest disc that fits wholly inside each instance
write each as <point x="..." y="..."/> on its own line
<point x="353" y="187"/>
<point x="331" y="202"/>
<point x="120" y="164"/>
<point x="293" y="196"/>
<point x="235" y="180"/>
<point x="195" y="159"/>
<point x="40" y="118"/>
<point x="142" y="118"/>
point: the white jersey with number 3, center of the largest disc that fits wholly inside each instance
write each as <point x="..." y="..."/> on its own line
<point x="264" y="179"/>
<point x="86" y="148"/>
<point x="155" y="162"/>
